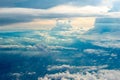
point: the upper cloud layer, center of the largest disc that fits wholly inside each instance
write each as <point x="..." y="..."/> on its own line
<point x="28" y="10"/>
<point x="15" y="15"/>
<point x="42" y="3"/>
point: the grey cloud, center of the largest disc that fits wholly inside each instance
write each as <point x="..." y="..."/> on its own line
<point x="17" y="18"/>
<point x="6" y="21"/>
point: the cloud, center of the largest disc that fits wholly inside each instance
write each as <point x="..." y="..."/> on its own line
<point x="106" y="25"/>
<point x="68" y="67"/>
<point x="25" y="11"/>
<point x="107" y="40"/>
<point x="8" y="20"/>
<point x="96" y="51"/>
<point x="62" y="48"/>
<point x="100" y="75"/>
<point x="115" y="6"/>
<point x="108" y="44"/>
<point x="41" y="4"/>
<point x="16" y="15"/>
<point x="56" y="10"/>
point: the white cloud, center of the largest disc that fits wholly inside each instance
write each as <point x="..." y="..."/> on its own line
<point x="107" y="40"/>
<point x="67" y="10"/>
<point x="12" y="46"/>
<point x="113" y="14"/>
<point x="62" y="60"/>
<point x="96" y="51"/>
<point x="85" y="68"/>
<point x="100" y="75"/>
<point x="62" y="47"/>
<point x="27" y="16"/>
<point x="20" y="15"/>
<point x="108" y="44"/>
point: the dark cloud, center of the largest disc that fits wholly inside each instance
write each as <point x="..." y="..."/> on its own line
<point x="6" y="21"/>
<point x="44" y="4"/>
<point x="14" y="18"/>
<point x="18" y="18"/>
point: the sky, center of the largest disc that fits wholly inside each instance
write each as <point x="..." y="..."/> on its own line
<point x="43" y="14"/>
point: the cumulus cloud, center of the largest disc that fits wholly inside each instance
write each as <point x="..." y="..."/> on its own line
<point x="100" y="75"/>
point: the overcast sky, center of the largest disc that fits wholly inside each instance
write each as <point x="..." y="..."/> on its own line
<point x="39" y="13"/>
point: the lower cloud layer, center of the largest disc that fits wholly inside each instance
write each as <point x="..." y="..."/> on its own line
<point x="100" y="75"/>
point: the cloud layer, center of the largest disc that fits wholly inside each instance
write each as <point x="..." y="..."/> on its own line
<point x="41" y="4"/>
<point x="15" y="15"/>
<point x="12" y="12"/>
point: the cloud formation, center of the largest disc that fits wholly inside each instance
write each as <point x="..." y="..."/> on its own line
<point x="12" y="12"/>
<point x="15" y="15"/>
<point x="101" y="75"/>
<point x="41" y="4"/>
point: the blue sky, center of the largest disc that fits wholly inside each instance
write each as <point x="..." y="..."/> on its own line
<point x="31" y="12"/>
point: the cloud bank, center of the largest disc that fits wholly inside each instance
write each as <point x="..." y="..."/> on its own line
<point x="24" y="11"/>
<point x="15" y="15"/>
